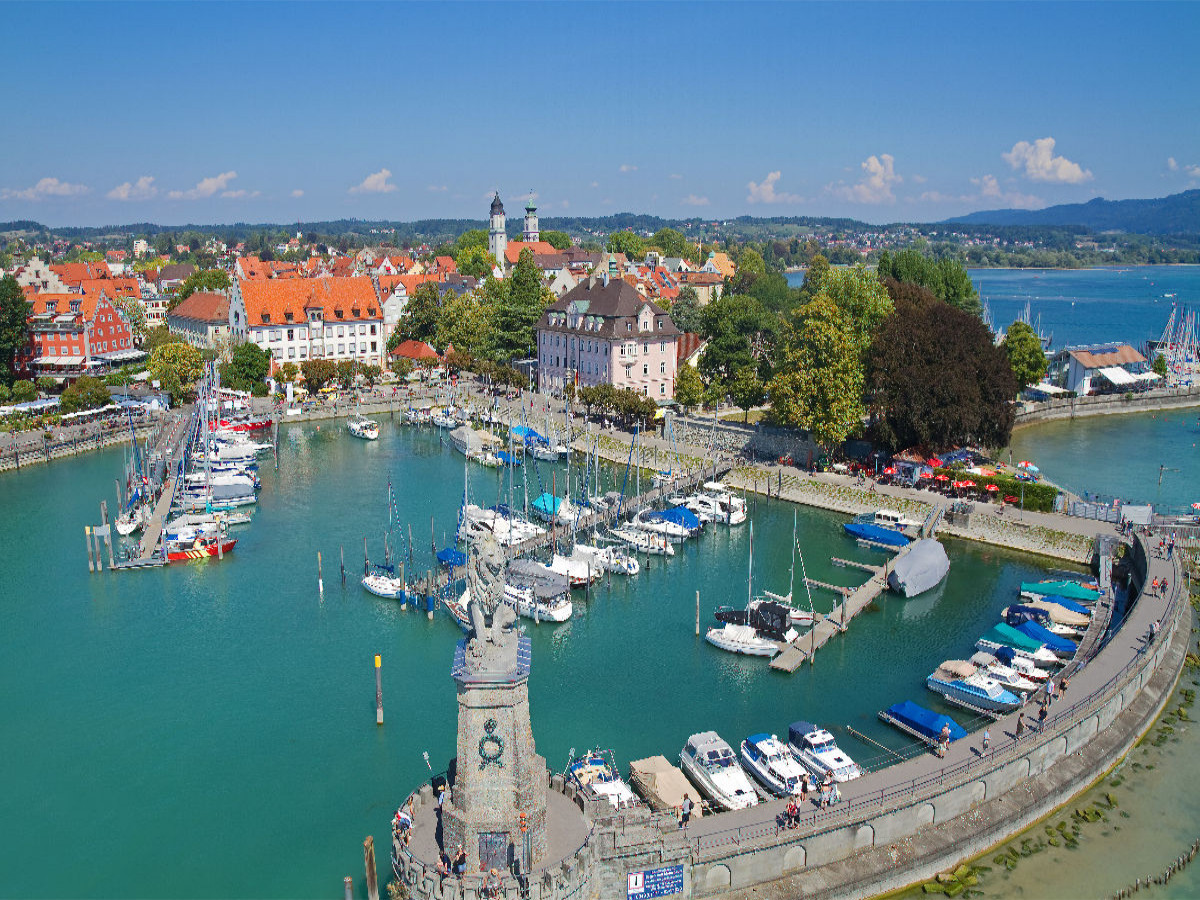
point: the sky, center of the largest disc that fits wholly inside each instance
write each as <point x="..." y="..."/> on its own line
<point x="285" y="112"/>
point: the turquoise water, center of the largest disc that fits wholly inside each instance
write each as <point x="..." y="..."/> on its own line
<point x="208" y="729"/>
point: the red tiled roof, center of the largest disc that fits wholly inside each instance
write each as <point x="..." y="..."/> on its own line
<point x="73" y="273"/>
<point x="686" y="345"/>
<point x="113" y="287"/>
<point x="415" y="350"/>
<point x="353" y="297"/>
<point x="203" y="307"/>
<point x="512" y="250"/>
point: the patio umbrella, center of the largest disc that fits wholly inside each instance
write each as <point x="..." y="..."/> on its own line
<point x="928" y="475"/>
<point x="992" y="488"/>
<point x="941" y="477"/>
<point x="968" y="484"/>
<point x="890" y="470"/>
<point x="934" y="461"/>
<point x="1028" y="466"/>
<point x="1196" y="506"/>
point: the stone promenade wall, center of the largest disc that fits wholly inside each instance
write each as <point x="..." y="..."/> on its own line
<point x="1108" y="404"/>
<point x="732" y="439"/>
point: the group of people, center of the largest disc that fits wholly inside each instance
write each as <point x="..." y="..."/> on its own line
<point x="1158" y="587"/>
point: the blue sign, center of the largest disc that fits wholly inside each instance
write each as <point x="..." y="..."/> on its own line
<point x="656" y="882"/>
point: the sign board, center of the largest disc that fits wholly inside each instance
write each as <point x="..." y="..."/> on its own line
<point x="655" y="883"/>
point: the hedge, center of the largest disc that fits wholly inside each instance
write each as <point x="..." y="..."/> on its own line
<point x="1039" y="497"/>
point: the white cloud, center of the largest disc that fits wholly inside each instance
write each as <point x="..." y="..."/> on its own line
<point x="595" y="184"/>
<point x="1192" y="171"/>
<point x="627" y="167"/>
<point x="989" y="189"/>
<point x="566" y="204"/>
<point x="939" y="197"/>
<point x="46" y="187"/>
<point x="1171" y="164"/>
<point x="879" y="174"/>
<point x="239" y="194"/>
<point x="298" y="193"/>
<point x="693" y="200"/>
<point x="206" y="187"/>
<point x="764" y="191"/>
<point x="437" y="188"/>
<point x="376" y="183"/>
<point x="142" y="189"/>
<point x="1040" y="163"/>
<point x="917" y="179"/>
<point x="674" y="176"/>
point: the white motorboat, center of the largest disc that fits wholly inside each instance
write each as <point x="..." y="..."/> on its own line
<point x="132" y="520"/>
<point x="383" y="584"/>
<point x="1009" y="677"/>
<point x="501" y="523"/>
<point x="595" y="773"/>
<point x="770" y="761"/>
<point x="525" y="602"/>
<point x="818" y="752"/>
<point x="976" y="690"/>
<point x="1037" y="658"/>
<point x="578" y="571"/>
<point x="606" y="559"/>
<point x="654" y="523"/>
<point x="742" y="639"/>
<point x="1022" y="665"/>
<point x="710" y="763"/>
<point x="731" y="509"/>
<point x="195" y="480"/>
<point x="367" y="429"/>
<point x="444" y="419"/>
<point x="643" y="541"/>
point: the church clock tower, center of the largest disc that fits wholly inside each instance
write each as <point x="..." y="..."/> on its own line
<point x="531" y="222"/>
<point x="497" y="235"/>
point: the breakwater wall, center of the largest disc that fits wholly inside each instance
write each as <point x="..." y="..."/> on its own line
<point x="34" y="448"/>
<point x="1107" y="404"/>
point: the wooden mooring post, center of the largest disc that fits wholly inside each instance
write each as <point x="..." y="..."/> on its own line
<point x="372" y="879"/>
<point x="697" y="613"/>
<point x="342" y="553"/>
<point x="320" y="579"/>
<point x="347" y="888"/>
<point x="87" y="536"/>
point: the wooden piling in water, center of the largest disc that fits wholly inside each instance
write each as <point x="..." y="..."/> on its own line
<point x="87" y="536"/>
<point x="697" y="614"/>
<point x="320" y="579"/>
<point x="342" y="556"/>
<point x="372" y="879"/>
<point x="348" y="888"/>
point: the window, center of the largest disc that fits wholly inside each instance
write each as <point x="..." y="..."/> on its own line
<point x="341" y="330"/>
<point x="662" y="347"/>
<point x="645" y="369"/>
<point x="645" y="347"/>
<point x="662" y="389"/>
<point x="341" y="348"/>
<point x="628" y="326"/>
<point x="328" y="331"/>
<point x="291" y="352"/>
<point x="662" y="368"/>
<point x="372" y="334"/>
<point x="303" y="352"/>
<point x="291" y="334"/>
<point x="362" y="348"/>
<point x="622" y="349"/>
<point x="373" y="350"/>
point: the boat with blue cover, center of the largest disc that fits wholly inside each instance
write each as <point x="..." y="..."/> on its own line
<point x="876" y="534"/>
<point x="961" y="683"/>
<point x="1057" y="643"/>
<point x="1048" y="616"/>
<point x="923" y="724"/>
<point x="1002" y="635"/>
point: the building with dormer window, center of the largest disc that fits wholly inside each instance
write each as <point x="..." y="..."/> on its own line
<point x="603" y="331"/>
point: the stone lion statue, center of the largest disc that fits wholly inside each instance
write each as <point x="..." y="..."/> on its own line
<point x="493" y="644"/>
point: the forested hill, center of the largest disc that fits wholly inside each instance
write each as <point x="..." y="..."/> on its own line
<point x="1176" y="214"/>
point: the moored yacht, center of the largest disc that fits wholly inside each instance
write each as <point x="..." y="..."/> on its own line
<point x="770" y="761"/>
<point x="709" y="762"/>
<point x="818" y="752"/>
<point x="974" y="690"/>
<point x="596" y="774"/>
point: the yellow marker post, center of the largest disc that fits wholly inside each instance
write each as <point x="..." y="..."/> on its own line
<point x="378" y="691"/>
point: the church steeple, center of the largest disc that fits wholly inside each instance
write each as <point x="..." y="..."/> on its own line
<point x="497" y="233"/>
<point x="531" y="222"/>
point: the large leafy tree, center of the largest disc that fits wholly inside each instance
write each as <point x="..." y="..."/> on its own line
<point x="670" y="242"/>
<point x="626" y="242"/>
<point x="559" y="240"/>
<point x="471" y="238"/>
<point x="736" y="328"/>
<point x="24" y="391"/>
<point x="1025" y="354"/>
<point x="14" y="329"/>
<point x="818" y="384"/>
<point x="176" y="367"/>
<point x="317" y="373"/>
<point x="248" y="366"/>
<point x="204" y="280"/>
<point x="419" y="320"/>
<point x="135" y="314"/>
<point x="465" y="322"/>
<point x="518" y="312"/>
<point x="937" y="380"/>
<point x="863" y="301"/>
<point x="685" y="311"/>
<point x="475" y="262"/>
<point x="689" y="387"/>
<point x="157" y="337"/>
<point x="746" y="389"/>
<point x="945" y="277"/>
<point x="86" y="393"/>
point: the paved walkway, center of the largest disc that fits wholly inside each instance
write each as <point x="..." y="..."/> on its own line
<point x="926" y="768"/>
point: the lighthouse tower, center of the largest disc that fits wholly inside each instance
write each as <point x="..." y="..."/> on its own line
<point x="531" y="224"/>
<point x="497" y="236"/>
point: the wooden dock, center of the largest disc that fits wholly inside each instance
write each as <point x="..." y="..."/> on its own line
<point x="854" y="600"/>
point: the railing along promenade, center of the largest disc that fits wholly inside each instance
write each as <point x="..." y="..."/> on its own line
<point x="930" y="784"/>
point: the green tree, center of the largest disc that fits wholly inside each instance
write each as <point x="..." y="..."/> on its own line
<point x="204" y="280"/>
<point x="689" y="387"/>
<point x="862" y="299"/>
<point x="401" y="367"/>
<point x="936" y="380"/>
<point x="135" y="314"/>
<point x="518" y="313"/>
<point x="626" y="242"/>
<point x="5" y="392"/>
<point x="249" y="365"/>
<point x="818" y="384"/>
<point x="1025" y="354"/>
<point x="346" y="370"/>
<point x="420" y="318"/>
<point x="672" y="243"/>
<point x="736" y="328"/>
<point x="746" y="389"/>
<point x="1160" y="366"/>
<point x="465" y="322"/>
<point x="23" y="391"/>
<point x="559" y="240"/>
<point x="750" y="262"/>
<point x="685" y="311"/>
<point x="288" y="372"/>
<point x="475" y="262"/>
<point x="818" y="268"/>
<point x="317" y="373"/>
<point x="14" y="328"/>
<point x="176" y="367"/>
<point x="46" y="384"/>
<point x="158" y="337"/>
<point x="473" y="238"/>
<point x="86" y="393"/>
<point x="946" y="277"/>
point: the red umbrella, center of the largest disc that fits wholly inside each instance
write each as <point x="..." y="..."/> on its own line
<point x="1196" y="506"/>
<point x="927" y="475"/>
<point x="992" y="488"/>
<point x="967" y="483"/>
<point x="934" y="461"/>
<point x="890" y="470"/>
<point x="941" y="477"/>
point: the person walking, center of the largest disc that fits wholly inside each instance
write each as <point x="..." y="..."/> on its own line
<point x="804" y="788"/>
<point x="987" y="742"/>
<point x="1154" y="587"/>
<point x="685" y="811"/>
<point x="1042" y="714"/>
<point x="1020" y="725"/>
<point x="1062" y="686"/>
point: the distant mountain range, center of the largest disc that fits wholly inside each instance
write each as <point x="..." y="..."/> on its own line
<point x="1176" y="214"/>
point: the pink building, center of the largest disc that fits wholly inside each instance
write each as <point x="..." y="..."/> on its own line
<point x="604" y="331"/>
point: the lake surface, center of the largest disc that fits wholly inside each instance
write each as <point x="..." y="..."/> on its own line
<point x="208" y="729"/>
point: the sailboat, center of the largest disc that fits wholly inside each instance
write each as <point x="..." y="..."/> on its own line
<point x="381" y="580"/>
<point x="746" y="637"/>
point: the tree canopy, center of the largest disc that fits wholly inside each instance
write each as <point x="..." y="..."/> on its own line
<point x="14" y="329"/>
<point x="317" y="373"/>
<point x="626" y="242"/>
<point x="689" y="387"/>
<point x="936" y="380"/>
<point x="1025" y="354"/>
<point x="204" y="280"/>
<point x="475" y="262"/>
<point x="671" y="242"/>
<point x="559" y="240"/>
<point x="518" y="312"/>
<point x="248" y="366"/>
<point x="945" y="277"/>
<point x="176" y="367"/>
<point x="735" y="327"/>
<point x="86" y="393"/>
<point x="863" y="301"/>
<point x="685" y="311"/>
<point x="23" y="391"/>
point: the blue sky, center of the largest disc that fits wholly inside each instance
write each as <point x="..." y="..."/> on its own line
<point x="214" y="112"/>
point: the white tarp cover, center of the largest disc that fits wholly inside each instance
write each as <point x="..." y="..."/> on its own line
<point x="662" y="784"/>
<point x="1138" y="515"/>
<point x="1117" y="375"/>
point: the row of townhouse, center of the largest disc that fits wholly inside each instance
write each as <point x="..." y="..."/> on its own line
<point x="74" y="334"/>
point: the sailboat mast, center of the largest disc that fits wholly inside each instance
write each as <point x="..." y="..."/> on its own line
<point x="750" y="571"/>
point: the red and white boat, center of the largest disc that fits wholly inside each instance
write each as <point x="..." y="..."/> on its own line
<point x="247" y="424"/>
<point x="200" y="550"/>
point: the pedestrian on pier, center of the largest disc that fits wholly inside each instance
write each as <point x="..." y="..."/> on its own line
<point x="1062" y="687"/>
<point x="1042" y="714"/>
<point x="987" y="742"/>
<point x="792" y="813"/>
<point x="460" y="861"/>
<point x="1020" y="725"/>
<point x="1162" y="587"/>
<point x="1154" y="587"/>
<point x="804" y="788"/>
<point x="685" y="810"/>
